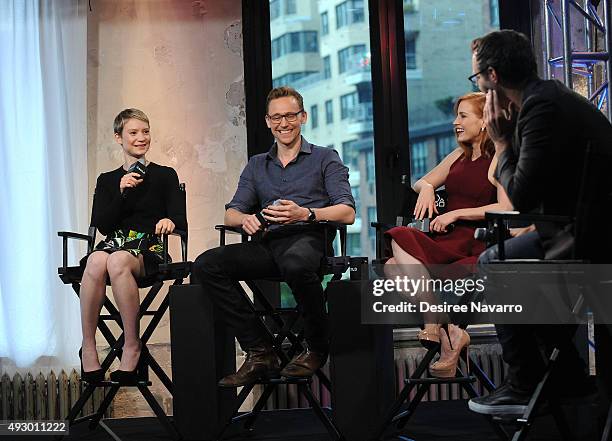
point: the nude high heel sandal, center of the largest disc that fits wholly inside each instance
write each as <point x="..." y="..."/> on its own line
<point x="448" y="368"/>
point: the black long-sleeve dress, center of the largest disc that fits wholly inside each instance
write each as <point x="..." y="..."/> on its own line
<point x="128" y="220"/>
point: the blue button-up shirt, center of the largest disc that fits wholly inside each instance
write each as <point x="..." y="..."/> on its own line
<point x="316" y="178"/>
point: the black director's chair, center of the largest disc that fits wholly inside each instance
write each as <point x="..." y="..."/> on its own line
<point x="420" y="381"/>
<point x="176" y="272"/>
<point x="576" y="247"/>
<point x="282" y="324"/>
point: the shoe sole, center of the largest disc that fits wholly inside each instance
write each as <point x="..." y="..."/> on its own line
<point x="274" y="375"/>
<point x="504" y="409"/>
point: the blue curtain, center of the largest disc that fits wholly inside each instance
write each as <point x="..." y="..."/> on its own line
<point x="43" y="179"/>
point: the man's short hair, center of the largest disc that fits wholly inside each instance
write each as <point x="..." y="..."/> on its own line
<point x="282" y="91"/>
<point x="126" y="114"/>
<point x="509" y="53"/>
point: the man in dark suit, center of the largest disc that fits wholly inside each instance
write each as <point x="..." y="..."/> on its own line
<point x="541" y="130"/>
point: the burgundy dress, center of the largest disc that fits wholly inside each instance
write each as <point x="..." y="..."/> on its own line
<point x="467" y="186"/>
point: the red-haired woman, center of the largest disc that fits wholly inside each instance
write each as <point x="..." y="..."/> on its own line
<point x="467" y="174"/>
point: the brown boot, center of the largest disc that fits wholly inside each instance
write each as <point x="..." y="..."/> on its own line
<point x="261" y="363"/>
<point x="305" y="364"/>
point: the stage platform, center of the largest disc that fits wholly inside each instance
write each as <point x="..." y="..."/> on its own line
<point x="433" y="421"/>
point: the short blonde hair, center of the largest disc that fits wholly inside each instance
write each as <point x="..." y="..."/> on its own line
<point x="126" y="114"/>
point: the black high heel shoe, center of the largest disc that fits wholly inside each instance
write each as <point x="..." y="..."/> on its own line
<point x="131" y="378"/>
<point x="91" y="376"/>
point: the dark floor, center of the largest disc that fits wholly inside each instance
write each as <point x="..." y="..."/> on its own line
<point x="433" y="421"/>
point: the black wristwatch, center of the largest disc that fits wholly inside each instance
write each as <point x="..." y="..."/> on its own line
<point x="312" y="217"/>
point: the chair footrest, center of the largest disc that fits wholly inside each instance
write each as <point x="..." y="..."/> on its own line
<point x="70" y="274"/>
<point x="432" y="380"/>
<point x="284" y="380"/>
<point x="109" y="383"/>
<point x="180" y="268"/>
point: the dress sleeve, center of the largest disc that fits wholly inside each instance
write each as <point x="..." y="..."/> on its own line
<point x="107" y="206"/>
<point x="176" y="209"/>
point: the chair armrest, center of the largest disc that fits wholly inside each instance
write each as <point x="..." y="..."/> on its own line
<point x="338" y="225"/>
<point x="222" y="229"/>
<point x="71" y="235"/>
<point x="498" y="228"/>
<point x="179" y="233"/>
<point x="341" y="228"/>
<point x="381" y="226"/>
<point x="65" y="235"/>
<point x="229" y="228"/>
<point x="532" y="217"/>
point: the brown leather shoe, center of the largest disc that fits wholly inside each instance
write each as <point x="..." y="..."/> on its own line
<point x="305" y="364"/>
<point x="261" y="363"/>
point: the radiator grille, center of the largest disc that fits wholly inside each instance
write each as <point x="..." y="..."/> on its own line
<point x="488" y="357"/>
<point x="44" y="398"/>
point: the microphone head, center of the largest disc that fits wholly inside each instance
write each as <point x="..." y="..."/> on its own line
<point x="138" y="167"/>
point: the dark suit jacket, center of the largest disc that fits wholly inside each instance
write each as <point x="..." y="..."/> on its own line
<point x="545" y="168"/>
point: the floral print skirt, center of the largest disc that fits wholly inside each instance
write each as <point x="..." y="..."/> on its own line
<point x="148" y="245"/>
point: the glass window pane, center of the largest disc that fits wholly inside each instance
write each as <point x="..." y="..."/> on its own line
<point x="275" y="6"/>
<point x="290" y="42"/>
<point x="438" y="61"/>
<point x="352" y="58"/>
<point x="410" y="49"/>
<point x="349" y="106"/>
<point x="494" y="13"/>
<point x="329" y="112"/>
<point x="312" y="71"/>
<point x="324" y="23"/>
<point x="349" y="12"/>
<point x="314" y="116"/>
<point x="341" y="15"/>
<point x="290" y="7"/>
<point x="326" y="67"/>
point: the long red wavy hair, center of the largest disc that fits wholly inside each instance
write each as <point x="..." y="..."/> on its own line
<point x="484" y="143"/>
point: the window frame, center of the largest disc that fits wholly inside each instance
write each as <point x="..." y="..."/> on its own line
<point x="324" y="23"/>
<point x="329" y="112"/>
<point x="314" y="116"/>
<point x="293" y="9"/>
<point x="346" y="106"/>
<point x="387" y="48"/>
<point x="327" y="69"/>
<point x="345" y="56"/>
<point x="349" y="12"/>
<point x="294" y="42"/>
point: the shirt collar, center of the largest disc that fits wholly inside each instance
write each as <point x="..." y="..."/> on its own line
<point x="305" y="147"/>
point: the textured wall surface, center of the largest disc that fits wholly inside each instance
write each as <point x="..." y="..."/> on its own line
<point x="181" y="63"/>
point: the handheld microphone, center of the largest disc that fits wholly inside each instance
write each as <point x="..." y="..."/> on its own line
<point x="265" y="223"/>
<point x="138" y="167"/>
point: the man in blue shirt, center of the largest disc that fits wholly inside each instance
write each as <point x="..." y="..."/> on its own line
<point x="292" y="187"/>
